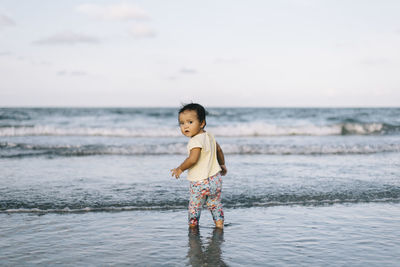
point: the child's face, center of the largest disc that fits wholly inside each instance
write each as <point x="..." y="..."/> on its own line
<point x="190" y="124"/>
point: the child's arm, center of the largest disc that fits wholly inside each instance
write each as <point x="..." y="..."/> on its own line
<point x="221" y="160"/>
<point x="189" y="162"/>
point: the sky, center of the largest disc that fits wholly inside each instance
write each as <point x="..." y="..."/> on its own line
<point x="146" y="53"/>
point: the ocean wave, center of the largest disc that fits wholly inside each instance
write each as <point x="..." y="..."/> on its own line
<point x="263" y="129"/>
<point x="388" y="194"/>
<point x="235" y="130"/>
<point x="20" y="150"/>
<point x="45" y="130"/>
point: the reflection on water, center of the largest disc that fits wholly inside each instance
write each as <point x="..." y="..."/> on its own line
<point x="201" y="255"/>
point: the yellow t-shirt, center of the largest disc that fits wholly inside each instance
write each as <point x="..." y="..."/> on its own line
<point x="207" y="165"/>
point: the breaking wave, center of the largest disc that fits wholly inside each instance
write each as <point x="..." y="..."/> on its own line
<point x="243" y="200"/>
<point x="238" y="130"/>
<point x="20" y="150"/>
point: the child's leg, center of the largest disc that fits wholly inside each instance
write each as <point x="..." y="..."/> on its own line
<point x="214" y="200"/>
<point x="197" y="198"/>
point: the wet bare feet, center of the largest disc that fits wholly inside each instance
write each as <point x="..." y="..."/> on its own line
<point x="219" y="224"/>
<point x="193" y="226"/>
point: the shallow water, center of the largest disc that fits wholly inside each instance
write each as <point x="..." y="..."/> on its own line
<point x="333" y="235"/>
<point x="111" y="183"/>
<point x="305" y="187"/>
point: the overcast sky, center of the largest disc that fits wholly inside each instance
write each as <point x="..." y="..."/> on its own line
<point x="217" y="52"/>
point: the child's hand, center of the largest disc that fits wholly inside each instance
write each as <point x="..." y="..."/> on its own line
<point x="176" y="172"/>
<point x="224" y="170"/>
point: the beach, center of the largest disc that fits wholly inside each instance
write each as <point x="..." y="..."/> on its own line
<point x="305" y="187"/>
<point x="334" y="235"/>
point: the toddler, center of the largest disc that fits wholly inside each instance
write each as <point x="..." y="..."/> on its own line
<point x="205" y="165"/>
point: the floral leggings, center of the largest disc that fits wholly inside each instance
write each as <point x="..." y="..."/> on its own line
<point x="206" y="191"/>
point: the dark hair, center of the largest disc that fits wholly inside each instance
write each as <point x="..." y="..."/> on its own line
<point x="200" y="110"/>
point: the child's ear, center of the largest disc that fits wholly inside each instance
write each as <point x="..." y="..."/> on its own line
<point x="203" y="124"/>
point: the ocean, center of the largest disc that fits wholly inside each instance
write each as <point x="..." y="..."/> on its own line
<point x="305" y="187"/>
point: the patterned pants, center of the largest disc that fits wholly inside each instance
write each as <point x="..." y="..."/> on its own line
<point x="207" y="191"/>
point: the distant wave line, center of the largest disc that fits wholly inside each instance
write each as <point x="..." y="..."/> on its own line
<point x="229" y="205"/>
<point x="21" y="150"/>
<point x="235" y="130"/>
<point x="353" y="192"/>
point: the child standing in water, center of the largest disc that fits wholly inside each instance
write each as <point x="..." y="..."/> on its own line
<point x="205" y="165"/>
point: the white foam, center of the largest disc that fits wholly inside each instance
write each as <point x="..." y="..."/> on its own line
<point x="236" y="204"/>
<point x="89" y="209"/>
<point x="235" y="130"/>
<point x="258" y="129"/>
<point x="361" y="129"/>
<point x="45" y="130"/>
<point x="180" y="149"/>
<point x="309" y="149"/>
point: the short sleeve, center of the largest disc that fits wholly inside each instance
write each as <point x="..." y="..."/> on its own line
<point x="194" y="142"/>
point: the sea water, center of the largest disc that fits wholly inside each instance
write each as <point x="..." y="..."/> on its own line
<point x="305" y="187"/>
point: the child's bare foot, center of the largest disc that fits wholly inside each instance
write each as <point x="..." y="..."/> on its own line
<point x="219" y="224"/>
<point x="192" y="225"/>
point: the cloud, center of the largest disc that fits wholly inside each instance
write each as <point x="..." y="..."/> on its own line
<point x="5" y="53"/>
<point x="6" y="21"/>
<point x="121" y="12"/>
<point x="142" y="31"/>
<point x="67" y="38"/>
<point x="113" y="12"/>
<point x="72" y="73"/>
<point x="185" y="70"/>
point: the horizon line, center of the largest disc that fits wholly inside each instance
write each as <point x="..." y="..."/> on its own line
<point x="210" y="106"/>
